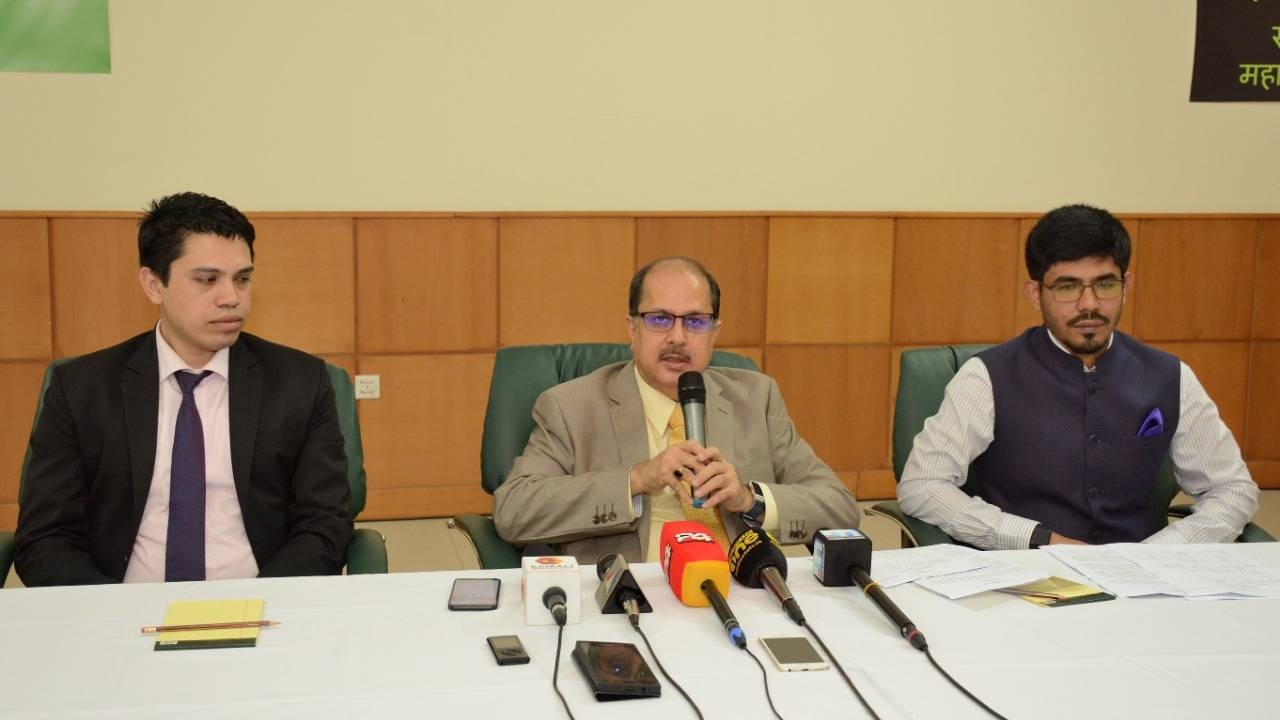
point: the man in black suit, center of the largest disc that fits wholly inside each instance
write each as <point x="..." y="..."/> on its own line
<point x="192" y="451"/>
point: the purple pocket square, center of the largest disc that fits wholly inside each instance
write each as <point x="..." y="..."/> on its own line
<point x="1153" y="426"/>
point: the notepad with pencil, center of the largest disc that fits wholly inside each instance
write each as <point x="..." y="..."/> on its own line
<point x="204" y="624"/>
<point x="1057" y="592"/>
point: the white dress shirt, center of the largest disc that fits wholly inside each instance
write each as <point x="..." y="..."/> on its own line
<point x="1206" y="459"/>
<point x="227" y="551"/>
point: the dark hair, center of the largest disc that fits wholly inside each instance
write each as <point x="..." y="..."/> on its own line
<point x="1073" y="232"/>
<point x="163" y="229"/>
<point x="637" y="283"/>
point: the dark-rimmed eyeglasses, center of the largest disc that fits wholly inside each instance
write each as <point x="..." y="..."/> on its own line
<point x="658" y="321"/>
<point x="1105" y="289"/>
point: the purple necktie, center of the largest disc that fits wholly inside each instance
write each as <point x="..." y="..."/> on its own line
<point x="184" y="547"/>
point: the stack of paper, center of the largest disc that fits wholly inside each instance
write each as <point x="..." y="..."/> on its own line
<point x="951" y="570"/>
<point x="1199" y="571"/>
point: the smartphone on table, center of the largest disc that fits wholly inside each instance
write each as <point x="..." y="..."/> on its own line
<point x="793" y="653"/>
<point x="474" y="594"/>
<point x="508" y="650"/>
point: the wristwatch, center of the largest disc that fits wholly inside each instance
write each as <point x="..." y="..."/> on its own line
<point x="752" y="515"/>
<point x="1040" y="536"/>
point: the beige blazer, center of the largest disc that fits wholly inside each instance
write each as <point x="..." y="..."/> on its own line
<point x="589" y="432"/>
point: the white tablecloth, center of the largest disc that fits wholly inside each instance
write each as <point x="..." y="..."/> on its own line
<point x="387" y="647"/>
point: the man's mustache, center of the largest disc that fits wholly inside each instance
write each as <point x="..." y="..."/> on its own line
<point x="679" y="354"/>
<point x="1089" y="316"/>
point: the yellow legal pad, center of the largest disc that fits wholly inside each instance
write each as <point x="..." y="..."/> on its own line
<point x="192" y="612"/>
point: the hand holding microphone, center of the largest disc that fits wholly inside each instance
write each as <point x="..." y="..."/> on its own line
<point x="692" y="461"/>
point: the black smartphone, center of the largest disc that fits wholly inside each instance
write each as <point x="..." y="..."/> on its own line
<point x="615" y="671"/>
<point x="508" y="650"/>
<point x="474" y="594"/>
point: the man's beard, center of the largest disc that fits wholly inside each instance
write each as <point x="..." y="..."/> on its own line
<point x="1094" y="340"/>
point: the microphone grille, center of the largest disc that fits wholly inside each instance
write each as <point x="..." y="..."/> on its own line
<point x="690" y="387"/>
<point x="753" y="551"/>
<point x="602" y="565"/>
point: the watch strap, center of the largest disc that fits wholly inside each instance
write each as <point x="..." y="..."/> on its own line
<point x="1040" y="536"/>
<point x="753" y="515"/>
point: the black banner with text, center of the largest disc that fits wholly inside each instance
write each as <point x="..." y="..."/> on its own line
<point x="1237" y="51"/>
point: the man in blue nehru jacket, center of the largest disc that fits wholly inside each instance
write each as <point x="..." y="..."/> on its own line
<point x="1066" y="425"/>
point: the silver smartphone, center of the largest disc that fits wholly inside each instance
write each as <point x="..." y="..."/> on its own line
<point x="474" y="594"/>
<point x="793" y="653"/>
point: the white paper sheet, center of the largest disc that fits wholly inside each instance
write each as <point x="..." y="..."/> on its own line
<point x="896" y="567"/>
<point x="1203" y="571"/>
<point x="994" y="575"/>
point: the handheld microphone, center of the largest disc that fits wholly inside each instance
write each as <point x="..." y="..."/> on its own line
<point x="618" y="590"/>
<point x="540" y="576"/>
<point x="755" y="560"/>
<point x="693" y="403"/>
<point x="698" y="573"/>
<point x="842" y="558"/>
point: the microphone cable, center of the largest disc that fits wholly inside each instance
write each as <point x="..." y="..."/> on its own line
<point x="663" y="670"/>
<point x="960" y="687"/>
<point x="848" y="680"/>
<point x="555" y="675"/>
<point x="768" y="695"/>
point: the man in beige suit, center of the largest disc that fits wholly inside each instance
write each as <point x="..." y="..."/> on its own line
<point x="602" y="470"/>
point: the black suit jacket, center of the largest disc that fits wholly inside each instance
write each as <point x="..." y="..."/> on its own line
<point x="93" y="453"/>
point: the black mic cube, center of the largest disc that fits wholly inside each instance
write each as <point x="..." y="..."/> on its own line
<point x="836" y="552"/>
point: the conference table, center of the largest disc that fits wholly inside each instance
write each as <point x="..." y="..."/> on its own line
<point x="386" y="646"/>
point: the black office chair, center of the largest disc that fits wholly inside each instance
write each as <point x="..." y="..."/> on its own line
<point x="520" y="375"/>
<point x="922" y="381"/>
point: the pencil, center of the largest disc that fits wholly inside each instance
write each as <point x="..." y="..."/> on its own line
<point x="211" y="626"/>
<point x="1029" y="593"/>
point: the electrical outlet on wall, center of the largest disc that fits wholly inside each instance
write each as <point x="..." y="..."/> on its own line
<point x="368" y="387"/>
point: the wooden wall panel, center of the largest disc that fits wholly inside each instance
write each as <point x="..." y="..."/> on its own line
<point x="1266" y="473"/>
<point x="951" y="280"/>
<point x="825" y="303"/>
<point x="427" y="285"/>
<point x="97" y="299"/>
<point x="25" y="323"/>
<point x="1223" y="370"/>
<point x="1262" y="434"/>
<point x="19" y="388"/>
<point x="837" y="395"/>
<point x="304" y="284"/>
<point x="1266" y="301"/>
<point x="734" y="250"/>
<point x="830" y="280"/>
<point x="876" y="485"/>
<point x="424" y="432"/>
<point x="1197" y="279"/>
<point x="564" y="280"/>
<point x="1026" y="315"/>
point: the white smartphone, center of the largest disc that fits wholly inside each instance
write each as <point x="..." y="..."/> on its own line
<point x="793" y="653"/>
